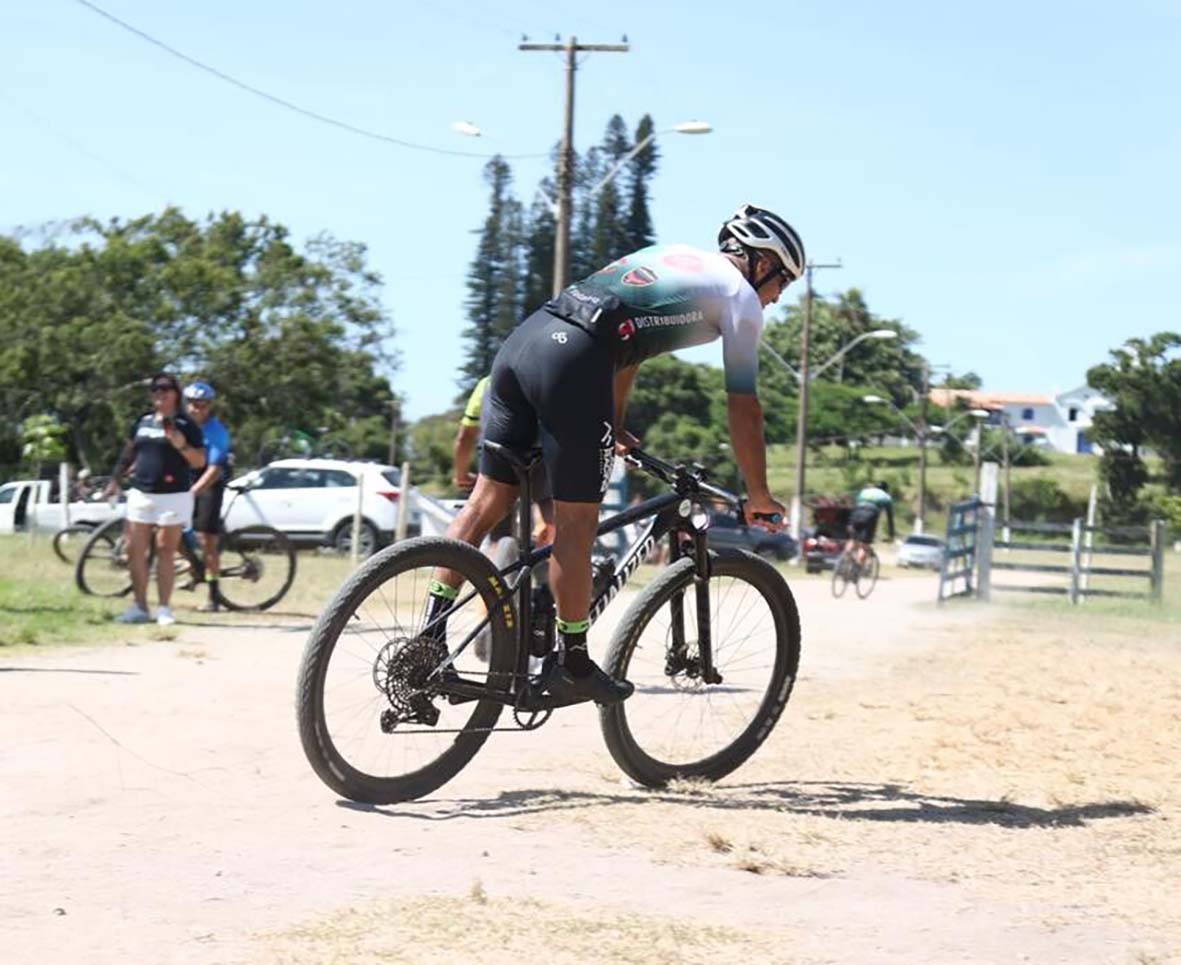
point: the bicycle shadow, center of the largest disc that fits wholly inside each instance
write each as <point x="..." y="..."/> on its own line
<point x="841" y="800"/>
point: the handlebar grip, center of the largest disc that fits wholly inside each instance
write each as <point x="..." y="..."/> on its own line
<point x="774" y="518"/>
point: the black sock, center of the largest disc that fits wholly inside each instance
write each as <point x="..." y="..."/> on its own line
<point x="439" y="601"/>
<point x="572" y="647"/>
<point x="212" y="590"/>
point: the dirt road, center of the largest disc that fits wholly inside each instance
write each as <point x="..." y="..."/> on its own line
<point x="938" y="790"/>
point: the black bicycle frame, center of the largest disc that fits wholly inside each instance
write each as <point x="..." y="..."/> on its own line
<point x="671" y="514"/>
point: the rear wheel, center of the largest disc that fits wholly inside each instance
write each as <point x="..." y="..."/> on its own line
<point x="256" y="567"/>
<point x="842" y="572"/>
<point x="373" y="724"/>
<point x="675" y="724"/>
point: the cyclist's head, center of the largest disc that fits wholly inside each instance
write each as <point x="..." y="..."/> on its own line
<point x="199" y="392"/>
<point x="883" y="486"/>
<point x="757" y="230"/>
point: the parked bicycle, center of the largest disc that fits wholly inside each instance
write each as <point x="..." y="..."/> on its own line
<point x="256" y="563"/>
<point x="388" y="712"/>
<point x="863" y="575"/>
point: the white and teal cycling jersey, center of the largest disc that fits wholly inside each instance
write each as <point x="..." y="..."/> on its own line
<point x="668" y="297"/>
<point x="873" y="496"/>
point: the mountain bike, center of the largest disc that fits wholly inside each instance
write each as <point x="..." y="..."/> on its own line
<point x="863" y="575"/>
<point x="256" y="564"/>
<point x="389" y="709"/>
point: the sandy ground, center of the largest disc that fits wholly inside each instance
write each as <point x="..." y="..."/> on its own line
<point x="947" y="784"/>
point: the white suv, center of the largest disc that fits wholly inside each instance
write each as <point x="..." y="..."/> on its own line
<point x="313" y="501"/>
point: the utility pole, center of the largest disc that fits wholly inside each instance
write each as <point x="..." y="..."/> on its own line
<point x="566" y="154"/>
<point x="921" y="518"/>
<point x="797" y="505"/>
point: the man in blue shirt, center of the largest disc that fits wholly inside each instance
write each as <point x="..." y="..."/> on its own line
<point x="210" y="486"/>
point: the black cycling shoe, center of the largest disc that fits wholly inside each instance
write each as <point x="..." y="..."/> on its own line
<point x="598" y="686"/>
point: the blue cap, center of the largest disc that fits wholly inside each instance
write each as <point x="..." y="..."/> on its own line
<point x="200" y="392"/>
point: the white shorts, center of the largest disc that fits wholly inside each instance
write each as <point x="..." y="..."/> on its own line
<point x="160" y="509"/>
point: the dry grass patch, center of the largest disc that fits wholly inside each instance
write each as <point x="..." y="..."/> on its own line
<point x="1031" y="758"/>
<point x="487" y="929"/>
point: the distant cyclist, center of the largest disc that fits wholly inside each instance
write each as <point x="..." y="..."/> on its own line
<point x="565" y="374"/>
<point x="209" y="487"/>
<point x="863" y="521"/>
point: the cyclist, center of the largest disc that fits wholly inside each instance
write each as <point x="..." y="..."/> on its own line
<point x="466" y="439"/>
<point x="163" y="447"/>
<point x="565" y="374"/>
<point x="863" y="521"/>
<point x="210" y="486"/>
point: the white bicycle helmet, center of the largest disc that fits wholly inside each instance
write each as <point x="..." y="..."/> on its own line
<point x="758" y="228"/>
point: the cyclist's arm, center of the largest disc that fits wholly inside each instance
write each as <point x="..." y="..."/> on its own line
<point x="461" y="453"/>
<point x="210" y="476"/>
<point x="746" y="435"/>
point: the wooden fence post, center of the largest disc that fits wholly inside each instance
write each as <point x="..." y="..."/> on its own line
<point x="1157" y="542"/>
<point x="1076" y="544"/>
<point x="986" y="531"/>
<point x="403" y="504"/>
<point x="356" y="547"/>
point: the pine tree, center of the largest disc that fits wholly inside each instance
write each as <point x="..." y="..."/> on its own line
<point x="495" y="279"/>
<point x="639" y="230"/>
<point x="539" y="236"/>
<point x="610" y="238"/>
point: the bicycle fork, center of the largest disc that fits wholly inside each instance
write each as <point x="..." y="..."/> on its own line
<point x="678" y="657"/>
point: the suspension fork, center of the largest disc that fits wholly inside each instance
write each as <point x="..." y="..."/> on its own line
<point x="701" y="572"/>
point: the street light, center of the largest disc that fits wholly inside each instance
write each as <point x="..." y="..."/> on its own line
<point x="685" y="127"/>
<point x="877" y="333"/>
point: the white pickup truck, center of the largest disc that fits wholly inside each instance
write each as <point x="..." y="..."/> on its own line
<point x="34" y="503"/>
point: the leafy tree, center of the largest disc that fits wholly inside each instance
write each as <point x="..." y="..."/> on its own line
<point x="289" y="339"/>
<point x="889" y="367"/>
<point x="495" y="279"/>
<point x="541" y="228"/>
<point x="44" y="441"/>
<point x="1143" y="381"/>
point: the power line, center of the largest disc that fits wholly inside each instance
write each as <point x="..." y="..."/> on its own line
<point x="322" y="118"/>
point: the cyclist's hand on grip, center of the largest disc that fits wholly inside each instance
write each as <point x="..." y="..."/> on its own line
<point x="764" y="512"/>
<point x="624" y="442"/>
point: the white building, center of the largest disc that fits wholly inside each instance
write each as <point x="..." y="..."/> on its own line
<point x="1054" y="421"/>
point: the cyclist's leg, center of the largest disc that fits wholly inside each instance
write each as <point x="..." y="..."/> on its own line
<point x="571" y="386"/>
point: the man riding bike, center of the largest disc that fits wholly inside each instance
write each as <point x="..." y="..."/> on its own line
<point x="564" y="375"/>
<point x="863" y="521"/>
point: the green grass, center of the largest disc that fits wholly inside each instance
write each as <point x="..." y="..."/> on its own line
<point x="39" y="604"/>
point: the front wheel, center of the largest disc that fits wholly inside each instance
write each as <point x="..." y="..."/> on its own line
<point x="867" y="576"/>
<point x="68" y="542"/>
<point x="373" y="723"/>
<point x="102" y="568"/>
<point x="256" y="567"/>
<point x="843" y="573"/>
<point x="676" y="725"/>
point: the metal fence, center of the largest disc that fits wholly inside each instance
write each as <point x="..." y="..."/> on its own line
<point x="956" y="575"/>
<point x="1075" y="542"/>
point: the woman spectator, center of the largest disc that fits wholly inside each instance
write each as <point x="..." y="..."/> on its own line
<point x="164" y="445"/>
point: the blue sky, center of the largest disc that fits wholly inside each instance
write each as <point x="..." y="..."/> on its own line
<point x="1002" y="177"/>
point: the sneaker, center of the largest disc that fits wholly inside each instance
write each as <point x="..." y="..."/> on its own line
<point x="134" y="614"/>
<point x="164" y="616"/>
<point x="598" y="686"/>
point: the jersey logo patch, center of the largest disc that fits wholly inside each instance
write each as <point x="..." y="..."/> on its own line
<point x="639" y="277"/>
<point x="690" y="263"/>
<point x="627" y="328"/>
<point x="559" y="337"/>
